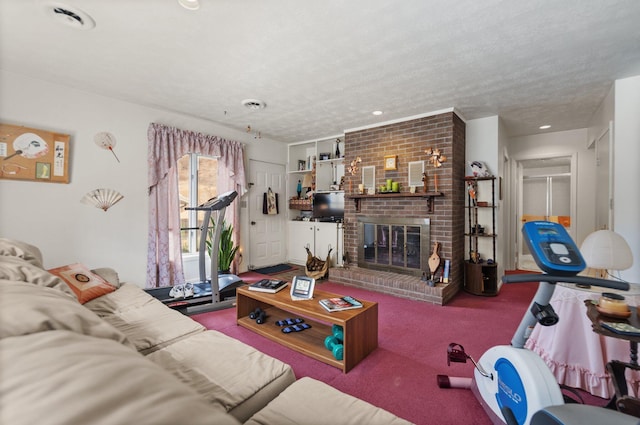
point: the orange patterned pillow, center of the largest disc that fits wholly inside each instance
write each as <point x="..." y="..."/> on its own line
<point x="85" y="284"/>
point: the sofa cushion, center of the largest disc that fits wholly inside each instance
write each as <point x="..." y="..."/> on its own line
<point x="85" y="284"/>
<point x="108" y="274"/>
<point x="309" y="401"/>
<point x="230" y="374"/>
<point x="146" y="322"/>
<point x="27" y="309"/>
<point x="14" y="248"/>
<point x="62" y="378"/>
<point x="20" y="269"/>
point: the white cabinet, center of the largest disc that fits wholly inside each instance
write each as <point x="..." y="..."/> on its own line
<point x="318" y="237"/>
<point x="301" y="235"/>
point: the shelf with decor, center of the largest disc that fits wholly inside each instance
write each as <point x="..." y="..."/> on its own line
<point x="481" y="275"/>
<point x="317" y="166"/>
<point x="357" y="198"/>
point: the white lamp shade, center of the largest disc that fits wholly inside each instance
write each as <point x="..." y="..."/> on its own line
<point x="605" y="249"/>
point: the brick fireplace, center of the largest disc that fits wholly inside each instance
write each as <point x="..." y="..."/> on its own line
<point x="408" y="140"/>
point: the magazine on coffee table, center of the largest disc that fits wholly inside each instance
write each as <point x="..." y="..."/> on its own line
<point x="268" y="285"/>
<point x="340" y="303"/>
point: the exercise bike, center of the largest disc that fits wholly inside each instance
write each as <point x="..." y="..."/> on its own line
<point x="513" y="384"/>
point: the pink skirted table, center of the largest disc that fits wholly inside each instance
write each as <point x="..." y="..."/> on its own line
<point x="572" y="349"/>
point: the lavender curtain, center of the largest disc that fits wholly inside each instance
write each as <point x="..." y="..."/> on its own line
<point x="166" y="146"/>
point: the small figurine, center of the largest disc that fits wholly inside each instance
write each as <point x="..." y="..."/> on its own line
<point x="471" y="187"/>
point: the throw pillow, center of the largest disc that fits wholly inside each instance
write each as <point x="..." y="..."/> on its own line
<point x="85" y="284"/>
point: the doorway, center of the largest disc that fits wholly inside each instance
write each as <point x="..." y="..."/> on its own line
<point x="546" y="191"/>
<point x="267" y="234"/>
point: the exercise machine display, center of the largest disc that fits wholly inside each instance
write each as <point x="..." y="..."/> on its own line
<point x="223" y="286"/>
<point x="513" y="384"/>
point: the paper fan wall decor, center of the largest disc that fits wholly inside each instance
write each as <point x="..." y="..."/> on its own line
<point x="107" y="141"/>
<point x="102" y="198"/>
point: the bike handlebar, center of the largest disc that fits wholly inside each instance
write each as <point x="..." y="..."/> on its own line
<point x="580" y="280"/>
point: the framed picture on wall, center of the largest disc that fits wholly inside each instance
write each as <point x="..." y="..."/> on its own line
<point x="391" y="162"/>
<point x="33" y="154"/>
<point x="369" y="176"/>
<point x="416" y="169"/>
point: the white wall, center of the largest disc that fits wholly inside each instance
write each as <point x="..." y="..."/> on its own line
<point x="484" y="137"/>
<point x="567" y="143"/>
<point x="600" y="120"/>
<point x="51" y="216"/>
<point x="626" y="172"/>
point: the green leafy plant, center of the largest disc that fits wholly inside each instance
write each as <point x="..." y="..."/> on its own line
<point x="227" y="251"/>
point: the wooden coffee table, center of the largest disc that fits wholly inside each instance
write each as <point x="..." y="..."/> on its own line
<point x="360" y="325"/>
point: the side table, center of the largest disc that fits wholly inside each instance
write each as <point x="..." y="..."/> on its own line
<point x="597" y="319"/>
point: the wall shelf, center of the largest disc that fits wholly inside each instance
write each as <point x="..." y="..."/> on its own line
<point x="428" y="195"/>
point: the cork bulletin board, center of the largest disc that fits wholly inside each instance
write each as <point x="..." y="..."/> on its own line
<point x="33" y="154"/>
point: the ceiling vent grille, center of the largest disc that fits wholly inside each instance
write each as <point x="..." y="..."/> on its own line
<point x="69" y="15"/>
<point x="254" y="104"/>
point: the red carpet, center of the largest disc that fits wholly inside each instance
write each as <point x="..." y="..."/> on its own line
<point x="400" y="376"/>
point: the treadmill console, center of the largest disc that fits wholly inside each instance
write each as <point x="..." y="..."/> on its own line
<point x="552" y="248"/>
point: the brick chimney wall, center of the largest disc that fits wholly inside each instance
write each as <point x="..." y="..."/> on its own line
<point x="409" y="140"/>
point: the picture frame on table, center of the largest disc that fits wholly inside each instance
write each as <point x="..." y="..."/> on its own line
<point x="302" y="288"/>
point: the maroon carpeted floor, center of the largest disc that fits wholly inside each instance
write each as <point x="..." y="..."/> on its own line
<point x="400" y="376"/>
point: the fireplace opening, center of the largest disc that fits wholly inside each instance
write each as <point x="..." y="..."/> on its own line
<point x="394" y="244"/>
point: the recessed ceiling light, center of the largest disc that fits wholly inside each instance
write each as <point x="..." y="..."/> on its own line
<point x="544" y="127"/>
<point x="190" y="4"/>
<point x="254" y="104"/>
<point x="69" y="15"/>
<point x="377" y="112"/>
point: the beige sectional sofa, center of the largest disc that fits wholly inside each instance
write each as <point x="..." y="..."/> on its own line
<point x="125" y="358"/>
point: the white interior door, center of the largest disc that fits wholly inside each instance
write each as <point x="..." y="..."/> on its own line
<point x="267" y="234"/>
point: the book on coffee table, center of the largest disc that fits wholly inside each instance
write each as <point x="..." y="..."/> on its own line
<point x="268" y="285"/>
<point x="340" y="303"/>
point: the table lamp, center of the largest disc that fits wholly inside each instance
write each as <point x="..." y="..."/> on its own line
<point x="606" y="250"/>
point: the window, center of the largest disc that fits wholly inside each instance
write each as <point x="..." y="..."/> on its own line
<point x="197" y="183"/>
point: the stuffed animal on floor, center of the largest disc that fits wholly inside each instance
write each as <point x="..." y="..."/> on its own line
<point x="479" y="169"/>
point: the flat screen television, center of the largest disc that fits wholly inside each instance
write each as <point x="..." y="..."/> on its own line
<point x="328" y="206"/>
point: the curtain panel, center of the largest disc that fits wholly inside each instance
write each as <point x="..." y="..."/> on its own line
<point x="166" y="146"/>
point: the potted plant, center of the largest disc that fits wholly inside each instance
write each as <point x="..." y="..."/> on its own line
<point x="227" y="250"/>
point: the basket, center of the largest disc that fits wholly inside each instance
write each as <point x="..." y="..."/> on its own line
<point x="315" y="267"/>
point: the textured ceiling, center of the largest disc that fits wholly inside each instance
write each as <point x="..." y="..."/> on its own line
<point x="324" y="66"/>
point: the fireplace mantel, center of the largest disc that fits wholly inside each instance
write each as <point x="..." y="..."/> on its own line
<point x="428" y="195"/>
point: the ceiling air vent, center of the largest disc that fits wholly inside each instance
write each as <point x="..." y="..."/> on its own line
<point x="69" y="15"/>
<point x="254" y="104"/>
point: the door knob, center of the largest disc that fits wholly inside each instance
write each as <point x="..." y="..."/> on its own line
<point x="253" y="223"/>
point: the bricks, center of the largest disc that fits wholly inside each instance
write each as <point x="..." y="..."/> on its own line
<point x="409" y="140"/>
